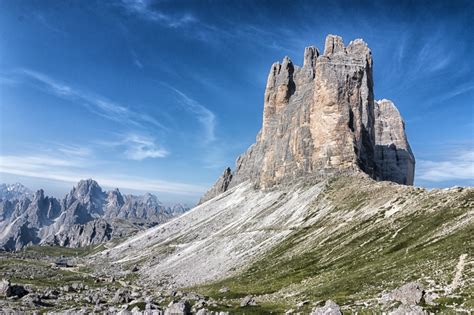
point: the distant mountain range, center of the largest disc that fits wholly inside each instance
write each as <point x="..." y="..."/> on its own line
<point x="14" y="191"/>
<point x="86" y="215"/>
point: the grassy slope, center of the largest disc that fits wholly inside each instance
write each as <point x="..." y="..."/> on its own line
<point x="357" y="261"/>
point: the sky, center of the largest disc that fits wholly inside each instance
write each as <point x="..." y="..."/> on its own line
<point x="161" y="96"/>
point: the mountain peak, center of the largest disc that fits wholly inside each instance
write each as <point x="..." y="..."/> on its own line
<point x="322" y="118"/>
<point x="89" y="193"/>
<point x="38" y="195"/>
<point x="14" y="191"/>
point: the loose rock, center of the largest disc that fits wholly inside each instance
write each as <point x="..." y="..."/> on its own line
<point x="330" y="308"/>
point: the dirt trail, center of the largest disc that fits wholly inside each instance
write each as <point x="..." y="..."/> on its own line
<point x="458" y="273"/>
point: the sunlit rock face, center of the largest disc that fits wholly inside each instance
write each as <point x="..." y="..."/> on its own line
<point x="321" y="118"/>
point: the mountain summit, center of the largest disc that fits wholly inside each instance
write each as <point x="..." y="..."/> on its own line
<point x="322" y="118"/>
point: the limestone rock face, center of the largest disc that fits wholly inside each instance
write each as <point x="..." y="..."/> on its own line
<point x="393" y="155"/>
<point x="321" y="118"/>
<point x="80" y="235"/>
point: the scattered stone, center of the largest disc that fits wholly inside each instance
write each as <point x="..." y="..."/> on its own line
<point x="9" y="290"/>
<point x="248" y="301"/>
<point x="67" y="288"/>
<point x="178" y="308"/>
<point x="224" y="290"/>
<point x="77" y="286"/>
<point x="50" y="294"/>
<point x="430" y="298"/>
<point x="409" y="294"/>
<point x="33" y="300"/>
<point x="330" y="308"/>
<point x="301" y="304"/>
<point x="121" y="296"/>
<point x="5" y="288"/>
<point x="404" y="309"/>
<point x="199" y="305"/>
<point x="135" y="268"/>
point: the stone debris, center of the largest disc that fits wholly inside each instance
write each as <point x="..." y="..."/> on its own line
<point x="249" y="300"/>
<point x="9" y="290"/>
<point x="224" y="290"/>
<point x="178" y="308"/>
<point x="408" y="310"/>
<point x="329" y="308"/>
<point x="408" y="294"/>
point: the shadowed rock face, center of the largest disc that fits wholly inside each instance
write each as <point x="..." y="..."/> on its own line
<point x="395" y="161"/>
<point x="321" y="118"/>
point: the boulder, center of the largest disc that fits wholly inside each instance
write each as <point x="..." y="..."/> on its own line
<point x="224" y="290"/>
<point x="8" y="290"/>
<point x="121" y="296"/>
<point x="408" y="294"/>
<point x="178" y="308"/>
<point x="248" y="301"/>
<point x="329" y="308"/>
<point x="5" y="288"/>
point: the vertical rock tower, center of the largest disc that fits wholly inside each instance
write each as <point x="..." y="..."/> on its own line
<point x="322" y="118"/>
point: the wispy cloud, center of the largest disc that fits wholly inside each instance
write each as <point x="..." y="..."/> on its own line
<point x="94" y="103"/>
<point x="137" y="147"/>
<point x="459" y="90"/>
<point x="459" y="167"/>
<point x="205" y="116"/>
<point x="211" y="34"/>
<point x="145" y="9"/>
<point x="140" y="147"/>
<point x="71" y="170"/>
<point x="47" y="23"/>
<point x="74" y="150"/>
<point x="136" y="60"/>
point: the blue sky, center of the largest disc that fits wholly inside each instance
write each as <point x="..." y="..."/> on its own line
<point x="160" y="96"/>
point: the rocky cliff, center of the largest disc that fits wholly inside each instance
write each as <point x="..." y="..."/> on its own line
<point x="320" y="119"/>
<point x="395" y="161"/>
<point x="86" y="215"/>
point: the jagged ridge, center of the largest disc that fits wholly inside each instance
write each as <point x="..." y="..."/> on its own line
<point x="86" y="215"/>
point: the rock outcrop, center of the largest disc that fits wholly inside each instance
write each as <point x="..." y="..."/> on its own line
<point x="220" y="186"/>
<point x="322" y="118"/>
<point x="85" y="216"/>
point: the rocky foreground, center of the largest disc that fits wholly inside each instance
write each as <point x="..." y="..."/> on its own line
<point x="348" y="239"/>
